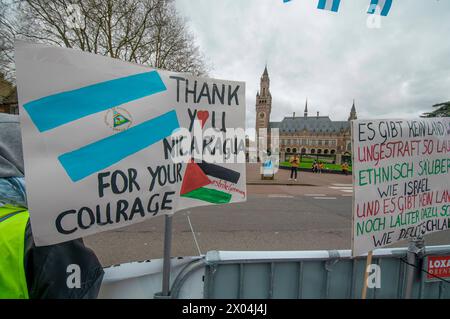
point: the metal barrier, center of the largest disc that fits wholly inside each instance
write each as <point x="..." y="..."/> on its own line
<point x="307" y="274"/>
<point x="142" y="280"/>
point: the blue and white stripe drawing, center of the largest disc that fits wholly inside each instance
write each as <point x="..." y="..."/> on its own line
<point x="87" y="100"/>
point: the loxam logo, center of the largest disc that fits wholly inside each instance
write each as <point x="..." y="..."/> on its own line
<point x="438" y="266"/>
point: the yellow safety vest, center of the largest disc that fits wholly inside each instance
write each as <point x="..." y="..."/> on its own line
<point x="13" y="282"/>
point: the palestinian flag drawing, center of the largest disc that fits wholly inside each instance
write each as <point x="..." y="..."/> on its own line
<point x="196" y="179"/>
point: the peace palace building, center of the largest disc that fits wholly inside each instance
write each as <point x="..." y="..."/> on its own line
<point x="303" y="134"/>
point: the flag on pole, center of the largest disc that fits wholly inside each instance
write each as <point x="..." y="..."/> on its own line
<point x="331" y="5"/>
<point x="384" y="7"/>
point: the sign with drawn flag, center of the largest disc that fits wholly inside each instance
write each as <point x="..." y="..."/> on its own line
<point x="109" y="143"/>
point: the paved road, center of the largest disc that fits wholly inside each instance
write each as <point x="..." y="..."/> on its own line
<point x="275" y="217"/>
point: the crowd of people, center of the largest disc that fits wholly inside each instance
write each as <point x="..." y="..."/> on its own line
<point x="317" y="167"/>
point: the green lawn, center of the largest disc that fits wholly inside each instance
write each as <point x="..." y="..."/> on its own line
<point x="333" y="167"/>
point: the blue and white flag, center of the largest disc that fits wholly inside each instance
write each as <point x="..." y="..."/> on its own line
<point x="331" y="5"/>
<point x="380" y="7"/>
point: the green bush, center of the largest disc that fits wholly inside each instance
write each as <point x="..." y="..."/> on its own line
<point x="308" y="165"/>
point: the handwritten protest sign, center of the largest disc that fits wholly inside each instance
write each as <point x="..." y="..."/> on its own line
<point x="401" y="180"/>
<point x="109" y="143"/>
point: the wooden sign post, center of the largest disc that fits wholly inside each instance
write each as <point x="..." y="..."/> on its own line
<point x="366" y="274"/>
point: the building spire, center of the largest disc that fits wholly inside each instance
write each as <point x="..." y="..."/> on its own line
<point x="353" y="115"/>
<point x="306" y="108"/>
<point x="265" y="84"/>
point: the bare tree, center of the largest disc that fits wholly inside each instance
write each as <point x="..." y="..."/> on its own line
<point x="7" y="32"/>
<point x="441" y="110"/>
<point x="148" y="32"/>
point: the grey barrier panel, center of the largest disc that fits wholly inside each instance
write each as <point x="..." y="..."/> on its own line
<point x="184" y="275"/>
<point x="313" y="274"/>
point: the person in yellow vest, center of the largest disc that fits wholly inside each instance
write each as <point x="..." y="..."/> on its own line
<point x="294" y="167"/>
<point x="345" y="168"/>
<point x="27" y="271"/>
<point x="321" y="167"/>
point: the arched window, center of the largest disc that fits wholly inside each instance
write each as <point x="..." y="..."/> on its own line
<point x="303" y="150"/>
<point x="325" y="152"/>
<point x="313" y="151"/>
<point x="288" y="150"/>
<point x="319" y="151"/>
<point x="294" y="150"/>
<point x="333" y="151"/>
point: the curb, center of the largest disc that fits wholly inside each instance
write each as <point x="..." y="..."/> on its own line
<point x="281" y="183"/>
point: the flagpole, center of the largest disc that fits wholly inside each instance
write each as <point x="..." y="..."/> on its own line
<point x="413" y="255"/>
<point x="167" y="250"/>
<point x="165" y="294"/>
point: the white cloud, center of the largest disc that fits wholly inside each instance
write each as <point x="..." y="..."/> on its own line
<point x="398" y="70"/>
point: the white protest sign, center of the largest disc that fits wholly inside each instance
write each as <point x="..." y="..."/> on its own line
<point x="109" y="143"/>
<point x="401" y="180"/>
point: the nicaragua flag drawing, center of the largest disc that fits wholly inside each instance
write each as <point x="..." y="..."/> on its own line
<point x="47" y="114"/>
<point x="67" y="108"/>
<point x="380" y="7"/>
<point x="331" y="5"/>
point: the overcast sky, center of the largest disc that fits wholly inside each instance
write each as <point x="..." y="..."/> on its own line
<point x="397" y="70"/>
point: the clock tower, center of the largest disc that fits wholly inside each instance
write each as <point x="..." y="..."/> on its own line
<point x="263" y="104"/>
